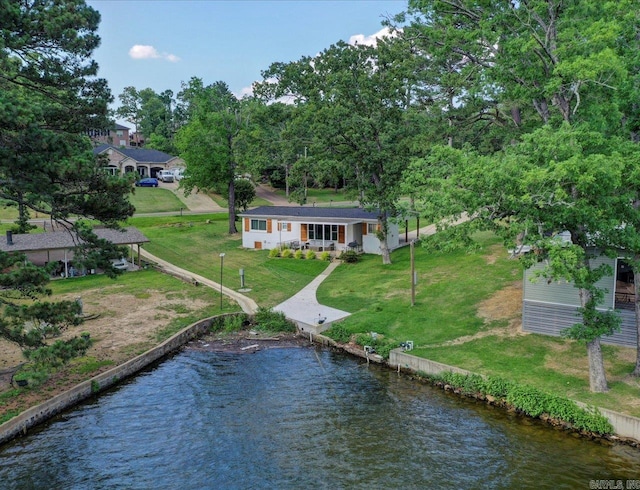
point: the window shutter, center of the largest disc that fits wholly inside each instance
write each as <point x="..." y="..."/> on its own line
<point x="246" y="224"/>
<point x="269" y="228"/>
<point x="303" y="232"/>
<point x="365" y="227"/>
<point x="341" y="233"/>
<point x="288" y="226"/>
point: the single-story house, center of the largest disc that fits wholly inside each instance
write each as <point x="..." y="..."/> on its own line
<point x="42" y="248"/>
<point x="551" y="306"/>
<point x="145" y="162"/>
<point x="316" y="228"/>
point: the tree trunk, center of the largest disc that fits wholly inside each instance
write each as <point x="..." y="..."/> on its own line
<point x="597" y="375"/>
<point x="232" y="207"/>
<point x="636" y="289"/>
<point x="382" y="236"/>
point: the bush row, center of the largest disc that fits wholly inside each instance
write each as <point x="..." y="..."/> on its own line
<point x="528" y="400"/>
<point x="287" y="253"/>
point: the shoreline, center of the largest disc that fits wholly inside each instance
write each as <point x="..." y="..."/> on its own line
<point x="197" y="337"/>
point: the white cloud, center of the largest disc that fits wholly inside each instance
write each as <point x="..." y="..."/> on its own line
<point x="371" y="40"/>
<point x="145" y="52"/>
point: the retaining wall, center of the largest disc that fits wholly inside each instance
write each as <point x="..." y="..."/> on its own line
<point x="21" y="423"/>
<point x="623" y="425"/>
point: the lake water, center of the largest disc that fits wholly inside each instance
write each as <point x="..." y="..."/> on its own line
<point x="298" y="418"/>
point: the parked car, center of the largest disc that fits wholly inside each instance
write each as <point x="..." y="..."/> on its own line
<point x="166" y="175"/>
<point x="178" y="173"/>
<point x="148" y="182"/>
<point x="120" y="264"/>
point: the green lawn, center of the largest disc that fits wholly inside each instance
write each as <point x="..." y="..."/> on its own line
<point x="450" y="288"/>
<point x="155" y="200"/>
<point x="195" y="243"/>
<point x="223" y="202"/>
<point x="323" y="196"/>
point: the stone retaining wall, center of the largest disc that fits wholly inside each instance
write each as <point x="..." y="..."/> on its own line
<point x="21" y="423"/>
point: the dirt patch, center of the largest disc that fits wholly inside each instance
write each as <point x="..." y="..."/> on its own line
<point x="505" y="304"/>
<point x="125" y="327"/>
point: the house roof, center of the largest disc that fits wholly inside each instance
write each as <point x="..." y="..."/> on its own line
<point x="140" y="155"/>
<point x="301" y="212"/>
<point x="56" y="240"/>
<point x="120" y="126"/>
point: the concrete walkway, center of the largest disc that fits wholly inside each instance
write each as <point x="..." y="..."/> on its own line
<point x="303" y="307"/>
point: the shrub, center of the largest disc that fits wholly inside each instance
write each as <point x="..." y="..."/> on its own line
<point x="326" y="256"/>
<point x="349" y="256"/>
<point x="310" y="255"/>
<point x="339" y="333"/>
<point x="286" y="253"/>
<point x="531" y="401"/>
<point x="297" y="254"/>
<point x="268" y="320"/>
<point x="380" y="344"/>
<point x="233" y="323"/>
<point x="274" y="252"/>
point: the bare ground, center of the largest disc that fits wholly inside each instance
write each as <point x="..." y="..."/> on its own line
<point x="125" y="327"/>
<point x="506" y="304"/>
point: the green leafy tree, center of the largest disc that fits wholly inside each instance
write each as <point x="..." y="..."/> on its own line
<point x="356" y="96"/>
<point x="245" y="194"/>
<point x="207" y="142"/>
<point x="49" y="98"/>
<point x="561" y="170"/>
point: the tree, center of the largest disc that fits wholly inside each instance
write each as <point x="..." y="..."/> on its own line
<point x="207" y="141"/>
<point x="245" y="194"/>
<point x="50" y="98"/>
<point x="356" y="96"/>
<point x="562" y="173"/>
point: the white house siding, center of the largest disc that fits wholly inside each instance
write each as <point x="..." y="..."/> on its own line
<point x="267" y="240"/>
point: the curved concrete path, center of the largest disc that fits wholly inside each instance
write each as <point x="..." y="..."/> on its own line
<point x="247" y="304"/>
<point x="304" y="309"/>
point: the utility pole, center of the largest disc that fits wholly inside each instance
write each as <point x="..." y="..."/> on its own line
<point x="413" y="275"/>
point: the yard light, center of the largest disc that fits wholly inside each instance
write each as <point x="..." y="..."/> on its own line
<point x="221" y="266"/>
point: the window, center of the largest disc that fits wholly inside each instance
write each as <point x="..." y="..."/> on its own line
<point x="372" y="228"/>
<point x="323" y="232"/>
<point x="259" y="224"/>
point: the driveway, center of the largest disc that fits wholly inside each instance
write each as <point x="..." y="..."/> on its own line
<point x="196" y="202"/>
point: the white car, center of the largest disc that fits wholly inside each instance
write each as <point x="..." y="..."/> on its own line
<point x="166" y="175"/>
<point x="178" y="173"/>
<point x="120" y="264"/>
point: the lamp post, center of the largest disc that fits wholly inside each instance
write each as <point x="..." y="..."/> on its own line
<point x="221" y="264"/>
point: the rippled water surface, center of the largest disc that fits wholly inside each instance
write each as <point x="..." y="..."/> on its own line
<point x="297" y="418"/>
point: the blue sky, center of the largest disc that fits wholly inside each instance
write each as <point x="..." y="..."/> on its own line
<point x="158" y="44"/>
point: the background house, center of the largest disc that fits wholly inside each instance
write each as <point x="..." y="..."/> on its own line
<point x="317" y="228"/>
<point x="57" y="246"/>
<point x="551" y="306"/>
<point x="116" y="136"/>
<point x="145" y="162"/>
